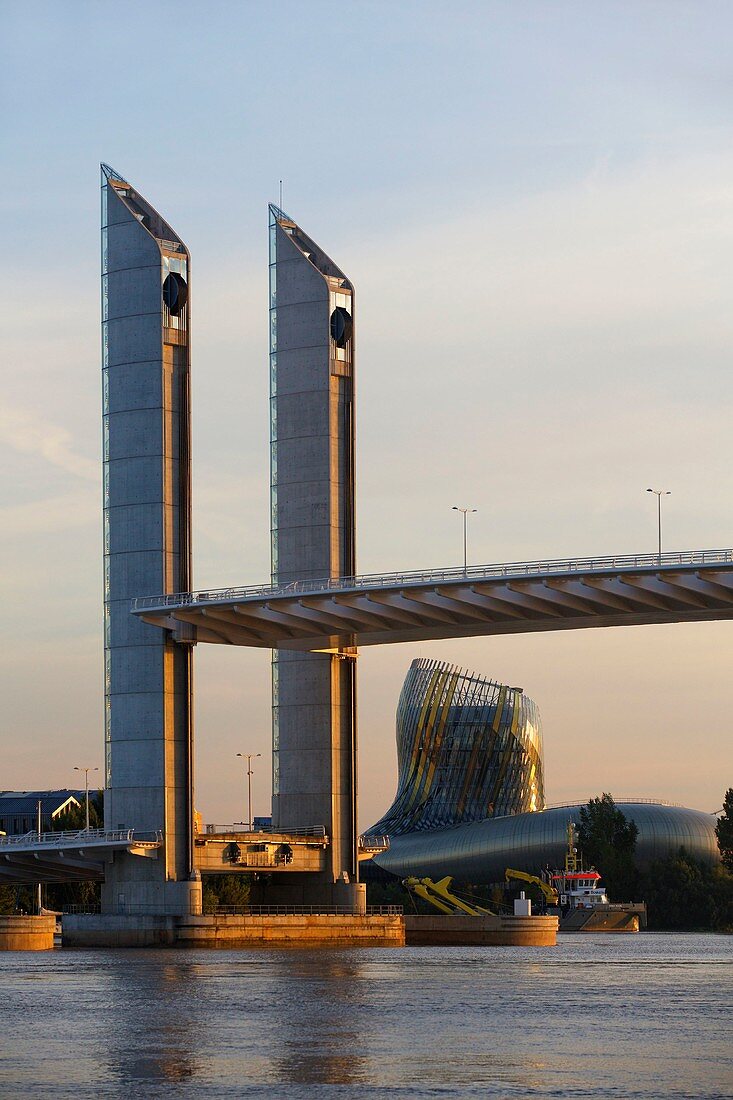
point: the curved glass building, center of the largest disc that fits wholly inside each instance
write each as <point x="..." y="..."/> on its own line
<point x="480" y="851"/>
<point x="470" y="785"/>
<point x="468" y="748"/>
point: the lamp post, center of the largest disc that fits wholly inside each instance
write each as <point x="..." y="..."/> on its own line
<point x="464" y="512"/>
<point x="249" y="757"/>
<point x="86" y="786"/>
<point x="39" y="897"/>
<point x="659" y="493"/>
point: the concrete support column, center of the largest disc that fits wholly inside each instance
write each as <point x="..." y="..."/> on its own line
<point x="313" y="537"/>
<point x="147" y="548"/>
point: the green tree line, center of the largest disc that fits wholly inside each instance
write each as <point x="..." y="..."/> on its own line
<point x="680" y="891"/>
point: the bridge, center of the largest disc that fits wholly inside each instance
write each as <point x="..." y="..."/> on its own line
<point x="78" y="856"/>
<point x="519" y="597"/>
<point x="81" y="855"/>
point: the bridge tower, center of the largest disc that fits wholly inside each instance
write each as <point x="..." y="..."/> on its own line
<point x="313" y="534"/>
<point x="147" y="548"/>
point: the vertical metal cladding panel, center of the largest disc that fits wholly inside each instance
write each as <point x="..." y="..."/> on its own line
<point x="146" y="431"/>
<point x="467" y="749"/>
<point x="312" y="530"/>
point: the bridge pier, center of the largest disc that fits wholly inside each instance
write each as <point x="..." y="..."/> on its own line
<point x="313" y="535"/>
<point x="147" y="548"/>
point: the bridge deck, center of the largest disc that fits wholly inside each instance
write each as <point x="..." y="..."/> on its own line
<point x="515" y="598"/>
<point x="77" y="856"/>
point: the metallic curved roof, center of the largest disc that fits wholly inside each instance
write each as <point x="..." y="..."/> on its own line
<point x="481" y="850"/>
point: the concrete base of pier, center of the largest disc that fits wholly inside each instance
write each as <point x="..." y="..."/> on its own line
<point x="453" y="930"/>
<point x="27" y="933"/>
<point x="252" y="930"/>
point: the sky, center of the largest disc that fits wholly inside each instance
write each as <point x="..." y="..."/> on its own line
<point x="534" y="201"/>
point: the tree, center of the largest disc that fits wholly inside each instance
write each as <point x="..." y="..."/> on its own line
<point x="682" y="892"/>
<point x="16" y="899"/>
<point x="607" y="840"/>
<point x="724" y="831"/>
<point x="226" y="890"/>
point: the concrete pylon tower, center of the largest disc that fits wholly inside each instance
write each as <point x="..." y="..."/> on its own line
<point x="147" y="548"/>
<point x="312" y="487"/>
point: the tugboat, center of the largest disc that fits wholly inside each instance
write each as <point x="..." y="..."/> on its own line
<point x="581" y="901"/>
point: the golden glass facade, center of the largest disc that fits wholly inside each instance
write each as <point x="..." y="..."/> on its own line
<point x="468" y="748"/>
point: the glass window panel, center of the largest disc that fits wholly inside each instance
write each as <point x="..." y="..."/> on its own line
<point x="274" y="557"/>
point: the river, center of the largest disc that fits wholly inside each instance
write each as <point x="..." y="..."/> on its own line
<point x="643" y="1016"/>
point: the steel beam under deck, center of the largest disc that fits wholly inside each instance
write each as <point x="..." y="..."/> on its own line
<point x="693" y="586"/>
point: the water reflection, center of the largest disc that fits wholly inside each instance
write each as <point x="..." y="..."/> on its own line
<point x="320" y="1041"/>
<point x="154" y="1037"/>
<point x="641" y="1016"/>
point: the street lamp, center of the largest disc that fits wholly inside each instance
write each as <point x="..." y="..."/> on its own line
<point x="659" y="493"/>
<point x="249" y="756"/>
<point x="86" y="786"/>
<point x="464" y="512"/>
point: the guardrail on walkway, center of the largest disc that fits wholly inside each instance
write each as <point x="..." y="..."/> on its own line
<point x="511" y="570"/>
<point x="236" y="827"/>
<point x="617" y="799"/>
<point x="379" y="842"/>
<point x="80" y="836"/>
<point x="301" y="910"/>
<point x="245" y="911"/>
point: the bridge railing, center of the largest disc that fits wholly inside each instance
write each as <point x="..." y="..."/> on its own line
<point x="300" y="910"/>
<point x="508" y="571"/>
<point x="79" y="836"/>
<point x="618" y="799"/>
<point x="370" y="842"/>
<point x="237" y="827"/>
<point x="245" y="910"/>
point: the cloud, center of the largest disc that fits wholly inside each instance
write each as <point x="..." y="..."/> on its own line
<point x="28" y="433"/>
<point x="44" y="517"/>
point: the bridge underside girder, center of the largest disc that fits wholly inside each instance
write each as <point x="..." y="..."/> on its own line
<point x="26" y="869"/>
<point x="25" y="860"/>
<point x="467" y="606"/>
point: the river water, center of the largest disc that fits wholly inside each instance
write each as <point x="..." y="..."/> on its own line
<point x="626" y="1016"/>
